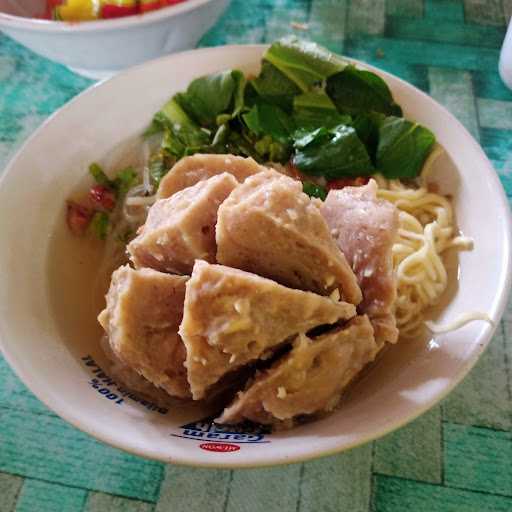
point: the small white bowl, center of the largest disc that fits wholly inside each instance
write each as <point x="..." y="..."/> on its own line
<point x="98" y="49"/>
<point x="48" y="330"/>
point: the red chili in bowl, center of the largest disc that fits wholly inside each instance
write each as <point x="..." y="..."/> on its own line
<point x="78" y="217"/>
<point x="89" y="10"/>
<point x="102" y="197"/>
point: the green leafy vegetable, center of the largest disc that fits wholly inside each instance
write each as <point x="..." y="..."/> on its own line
<point x="269" y="129"/>
<point x="238" y="144"/>
<point x="183" y="127"/>
<point x="210" y="96"/>
<point x="172" y="145"/>
<point x="305" y="63"/>
<point x="252" y="120"/>
<point x="304" y="139"/>
<point x="265" y="119"/>
<point x="270" y="150"/>
<point x="100" y="225"/>
<point x="315" y="109"/>
<point x="124" y="180"/>
<point x="273" y="87"/>
<point x="332" y="153"/>
<point x="239" y="92"/>
<point x="307" y="104"/>
<point x="233" y="140"/>
<point x="314" y="190"/>
<point x="189" y="122"/>
<point x="367" y="129"/>
<point x="170" y="115"/>
<point x="181" y="135"/>
<point x="403" y="148"/>
<point x="99" y="175"/>
<point x="318" y="100"/>
<point x="355" y="91"/>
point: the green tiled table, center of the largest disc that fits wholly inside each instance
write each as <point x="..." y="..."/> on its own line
<point x="455" y="458"/>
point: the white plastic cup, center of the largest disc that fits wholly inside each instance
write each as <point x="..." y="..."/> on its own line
<point x="506" y="57"/>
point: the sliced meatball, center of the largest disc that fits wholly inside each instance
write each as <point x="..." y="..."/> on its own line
<point x="270" y="227"/>
<point x="181" y="229"/>
<point x="233" y="317"/>
<point x="127" y="377"/>
<point x="365" y="230"/>
<point x="192" y="169"/>
<point x="143" y="313"/>
<point x="310" y="379"/>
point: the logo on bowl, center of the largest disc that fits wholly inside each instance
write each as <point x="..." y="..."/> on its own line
<point x="232" y="435"/>
<point x="219" y="447"/>
<point x="117" y="393"/>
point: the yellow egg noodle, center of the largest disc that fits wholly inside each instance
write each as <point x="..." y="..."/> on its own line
<point x="426" y="230"/>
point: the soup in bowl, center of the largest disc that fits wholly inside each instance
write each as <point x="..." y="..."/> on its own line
<point x="54" y="286"/>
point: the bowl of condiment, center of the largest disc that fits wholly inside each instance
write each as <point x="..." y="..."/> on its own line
<point x="99" y="38"/>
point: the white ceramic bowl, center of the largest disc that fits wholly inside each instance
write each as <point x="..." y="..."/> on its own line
<point x="99" y="49"/>
<point x="48" y="330"/>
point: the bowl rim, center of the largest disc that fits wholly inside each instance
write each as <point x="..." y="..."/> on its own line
<point x="281" y="458"/>
<point x="12" y="21"/>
